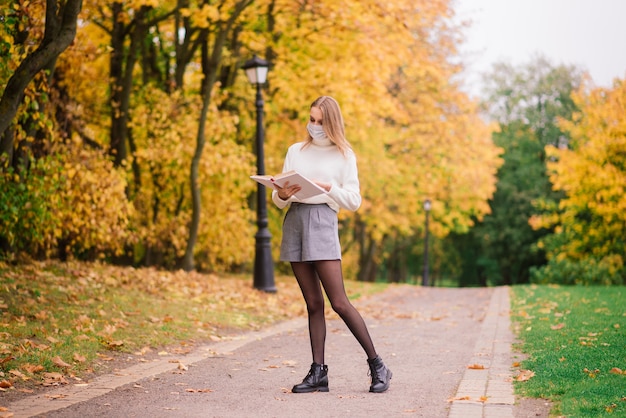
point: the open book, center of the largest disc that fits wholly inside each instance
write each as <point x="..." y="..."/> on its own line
<point x="308" y="188"/>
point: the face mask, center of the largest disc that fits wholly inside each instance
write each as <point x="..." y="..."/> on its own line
<point x="316" y="131"/>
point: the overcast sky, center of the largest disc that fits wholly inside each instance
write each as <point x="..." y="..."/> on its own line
<point x="590" y="34"/>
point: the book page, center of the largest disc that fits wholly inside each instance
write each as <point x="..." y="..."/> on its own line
<point x="308" y="188"/>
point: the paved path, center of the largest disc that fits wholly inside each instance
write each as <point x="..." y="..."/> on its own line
<point x="427" y="336"/>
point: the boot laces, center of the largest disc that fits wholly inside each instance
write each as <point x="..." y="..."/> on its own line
<point x="311" y="375"/>
<point x="373" y="373"/>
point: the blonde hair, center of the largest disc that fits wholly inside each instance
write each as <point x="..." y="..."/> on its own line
<point x="332" y="123"/>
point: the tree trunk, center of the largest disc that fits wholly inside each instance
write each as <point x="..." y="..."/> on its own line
<point x="367" y="251"/>
<point x="210" y="68"/>
<point x="210" y="73"/>
<point x="121" y="75"/>
<point x="59" y="34"/>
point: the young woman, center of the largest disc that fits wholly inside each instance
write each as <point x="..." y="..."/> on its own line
<point x="311" y="239"/>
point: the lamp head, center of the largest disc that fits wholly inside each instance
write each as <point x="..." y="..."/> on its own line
<point x="256" y="70"/>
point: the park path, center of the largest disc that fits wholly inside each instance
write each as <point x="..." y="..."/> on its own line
<point x="428" y="336"/>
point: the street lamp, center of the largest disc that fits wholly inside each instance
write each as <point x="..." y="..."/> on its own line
<point x="256" y="70"/>
<point x="427" y="210"/>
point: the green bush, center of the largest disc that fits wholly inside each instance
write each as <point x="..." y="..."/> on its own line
<point x="607" y="271"/>
<point x="27" y="212"/>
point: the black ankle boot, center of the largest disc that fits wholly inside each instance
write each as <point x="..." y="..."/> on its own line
<point x="316" y="380"/>
<point x="381" y="375"/>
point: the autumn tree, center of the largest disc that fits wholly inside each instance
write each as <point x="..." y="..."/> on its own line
<point x="62" y="198"/>
<point x="220" y="22"/>
<point x="153" y="92"/>
<point x="166" y="39"/>
<point x="588" y="244"/>
<point x="389" y="66"/>
<point x="527" y="102"/>
<point x="59" y="32"/>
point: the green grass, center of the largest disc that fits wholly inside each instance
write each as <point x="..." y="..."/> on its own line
<point x="575" y="339"/>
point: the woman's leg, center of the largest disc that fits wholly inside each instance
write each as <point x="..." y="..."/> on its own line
<point x="310" y="285"/>
<point x="329" y="272"/>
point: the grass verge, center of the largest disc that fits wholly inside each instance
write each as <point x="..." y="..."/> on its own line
<point x="61" y="322"/>
<point x="575" y="341"/>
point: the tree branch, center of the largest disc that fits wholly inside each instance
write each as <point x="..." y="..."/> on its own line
<point x="53" y="44"/>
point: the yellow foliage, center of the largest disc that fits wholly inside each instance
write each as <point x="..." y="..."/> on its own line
<point x="92" y="203"/>
<point x="415" y="135"/>
<point x="593" y="176"/>
<point x="165" y="136"/>
<point x="389" y="64"/>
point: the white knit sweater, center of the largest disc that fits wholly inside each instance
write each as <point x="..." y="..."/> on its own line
<point x="322" y="161"/>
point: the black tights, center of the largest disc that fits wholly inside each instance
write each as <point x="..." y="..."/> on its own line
<point x="328" y="273"/>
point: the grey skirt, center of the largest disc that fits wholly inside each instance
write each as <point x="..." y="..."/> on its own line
<point x="310" y="233"/>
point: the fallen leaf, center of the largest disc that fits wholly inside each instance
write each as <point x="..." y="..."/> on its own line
<point x="33" y="368"/>
<point x="7" y="359"/>
<point x="59" y="396"/>
<point x="77" y="357"/>
<point x="558" y="326"/>
<point x="54" y="379"/>
<point x="617" y="370"/>
<point x="114" y="344"/>
<point x="459" y="398"/>
<point x="524" y="375"/>
<point x="5" y="384"/>
<point x="52" y="340"/>
<point x="181" y="366"/>
<point x="591" y="373"/>
<point x="476" y="367"/>
<point x="143" y="351"/>
<point x="58" y="361"/>
<point x="19" y="374"/>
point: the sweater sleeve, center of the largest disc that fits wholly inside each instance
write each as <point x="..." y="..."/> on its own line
<point x="346" y="193"/>
<point x="280" y="203"/>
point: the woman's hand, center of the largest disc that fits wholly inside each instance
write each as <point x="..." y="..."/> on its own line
<point x="325" y="186"/>
<point x="287" y="191"/>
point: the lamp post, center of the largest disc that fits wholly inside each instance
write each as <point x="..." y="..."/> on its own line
<point x="256" y="70"/>
<point x="427" y="211"/>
